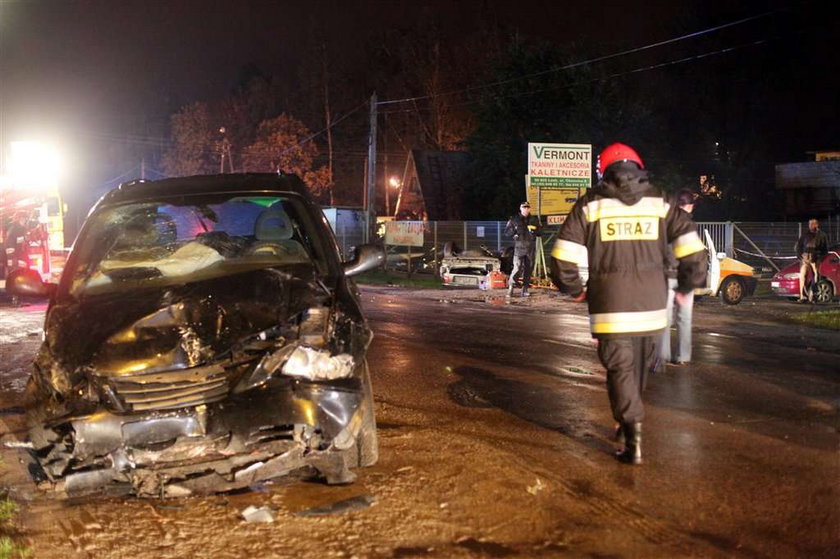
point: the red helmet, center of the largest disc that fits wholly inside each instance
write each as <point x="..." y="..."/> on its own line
<point x="615" y="153"/>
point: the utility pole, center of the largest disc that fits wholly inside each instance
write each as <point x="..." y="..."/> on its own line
<point x="387" y="181"/>
<point x="328" y="118"/>
<point x="370" y="215"/>
<point x="224" y="152"/>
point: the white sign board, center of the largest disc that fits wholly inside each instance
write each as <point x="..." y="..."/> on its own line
<point x="556" y="175"/>
<point x="404" y="233"/>
<point x="560" y="165"/>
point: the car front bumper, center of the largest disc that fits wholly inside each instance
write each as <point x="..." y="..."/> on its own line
<point x="271" y="431"/>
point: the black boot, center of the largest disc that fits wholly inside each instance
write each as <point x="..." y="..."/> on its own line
<point x="632" y="451"/>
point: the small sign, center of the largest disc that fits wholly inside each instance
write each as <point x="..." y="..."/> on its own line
<point x="479" y="231"/>
<point x="405" y="233"/>
<point x="549" y="201"/>
<point x="556" y="219"/>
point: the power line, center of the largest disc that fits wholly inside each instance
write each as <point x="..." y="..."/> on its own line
<point x="331" y="125"/>
<point x="604" y="78"/>
<point x="582" y="62"/>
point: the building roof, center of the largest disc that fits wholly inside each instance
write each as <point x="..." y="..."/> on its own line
<point x="438" y="189"/>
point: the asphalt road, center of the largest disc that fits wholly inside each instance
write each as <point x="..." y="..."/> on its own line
<point x="494" y="432"/>
<point x="741" y="446"/>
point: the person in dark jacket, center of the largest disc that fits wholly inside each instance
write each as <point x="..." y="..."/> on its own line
<point x="524" y="228"/>
<point x="621" y="229"/>
<point x="811" y="247"/>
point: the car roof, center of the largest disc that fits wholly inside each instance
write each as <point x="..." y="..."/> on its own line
<point x="139" y="190"/>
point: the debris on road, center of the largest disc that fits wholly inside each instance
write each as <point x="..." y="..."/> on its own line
<point x="258" y="514"/>
<point x="18" y="444"/>
<point x="536" y="488"/>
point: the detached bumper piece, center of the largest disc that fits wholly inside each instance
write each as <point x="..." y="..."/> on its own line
<point x="285" y="426"/>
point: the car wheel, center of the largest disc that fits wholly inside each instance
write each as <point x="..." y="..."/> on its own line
<point x="823" y="292"/>
<point x="732" y="290"/>
<point x="367" y="441"/>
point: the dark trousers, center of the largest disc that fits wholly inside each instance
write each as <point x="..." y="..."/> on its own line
<point x="627" y="361"/>
<point x="522" y="263"/>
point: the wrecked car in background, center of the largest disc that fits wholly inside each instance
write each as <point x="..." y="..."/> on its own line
<point x="203" y="337"/>
<point x="474" y="268"/>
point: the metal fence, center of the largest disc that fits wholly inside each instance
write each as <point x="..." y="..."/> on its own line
<point x="764" y="245"/>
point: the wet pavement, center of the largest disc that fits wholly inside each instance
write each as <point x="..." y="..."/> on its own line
<point x="494" y="442"/>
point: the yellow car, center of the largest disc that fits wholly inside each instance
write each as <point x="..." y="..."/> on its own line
<point x="730" y="279"/>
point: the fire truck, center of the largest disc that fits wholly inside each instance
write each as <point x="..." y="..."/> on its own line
<point x="40" y="219"/>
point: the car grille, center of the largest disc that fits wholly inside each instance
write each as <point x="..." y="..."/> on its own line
<point x="171" y="389"/>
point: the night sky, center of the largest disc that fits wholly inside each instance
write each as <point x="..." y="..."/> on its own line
<point x="82" y="72"/>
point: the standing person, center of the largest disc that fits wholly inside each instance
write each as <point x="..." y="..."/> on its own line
<point x="684" y="302"/>
<point x="524" y="228"/>
<point x="15" y="245"/>
<point x="811" y="247"/>
<point x="621" y="229"/>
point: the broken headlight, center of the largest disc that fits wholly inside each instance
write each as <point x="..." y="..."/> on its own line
<point x="314" y="364"/>
<point x="301" y="362"/>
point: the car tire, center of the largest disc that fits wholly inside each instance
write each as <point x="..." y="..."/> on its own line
<point x="367" y="441"/>
<point x="732" y="290"/>
<point x="823" y="292"/>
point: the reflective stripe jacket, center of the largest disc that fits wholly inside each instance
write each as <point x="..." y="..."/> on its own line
<point x="621" y="229"/>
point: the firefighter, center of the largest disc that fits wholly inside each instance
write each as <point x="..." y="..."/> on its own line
<point x="16" y="245"/>
<point x="524" y="228"/>
<point x="621" y="229"/>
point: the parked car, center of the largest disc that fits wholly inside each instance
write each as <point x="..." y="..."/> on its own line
<point x="727" y="278"/>
<point x="204" y="336"/>
<point x="785" y="282"/>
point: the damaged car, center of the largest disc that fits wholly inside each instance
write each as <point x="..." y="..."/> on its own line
<point x="203" y="337"/>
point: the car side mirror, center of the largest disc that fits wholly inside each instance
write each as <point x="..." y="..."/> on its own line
<point x="28" y="283"/>
<point x="366" y="257"/>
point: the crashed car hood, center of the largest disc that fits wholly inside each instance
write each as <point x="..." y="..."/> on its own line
<point x="177" y="326"/>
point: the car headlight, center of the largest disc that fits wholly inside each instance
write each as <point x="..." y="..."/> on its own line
<point x="314" y="364"/>
<point x="298" y="361"/>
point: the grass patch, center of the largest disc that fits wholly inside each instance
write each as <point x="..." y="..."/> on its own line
<point x="820" y="319"/>
<point x="9" y="549"/>
<point x="8" y="508"/>
<point x="399" y="279"/>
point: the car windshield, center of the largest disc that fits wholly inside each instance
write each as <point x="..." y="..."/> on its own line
<point x="192" y="238"/>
